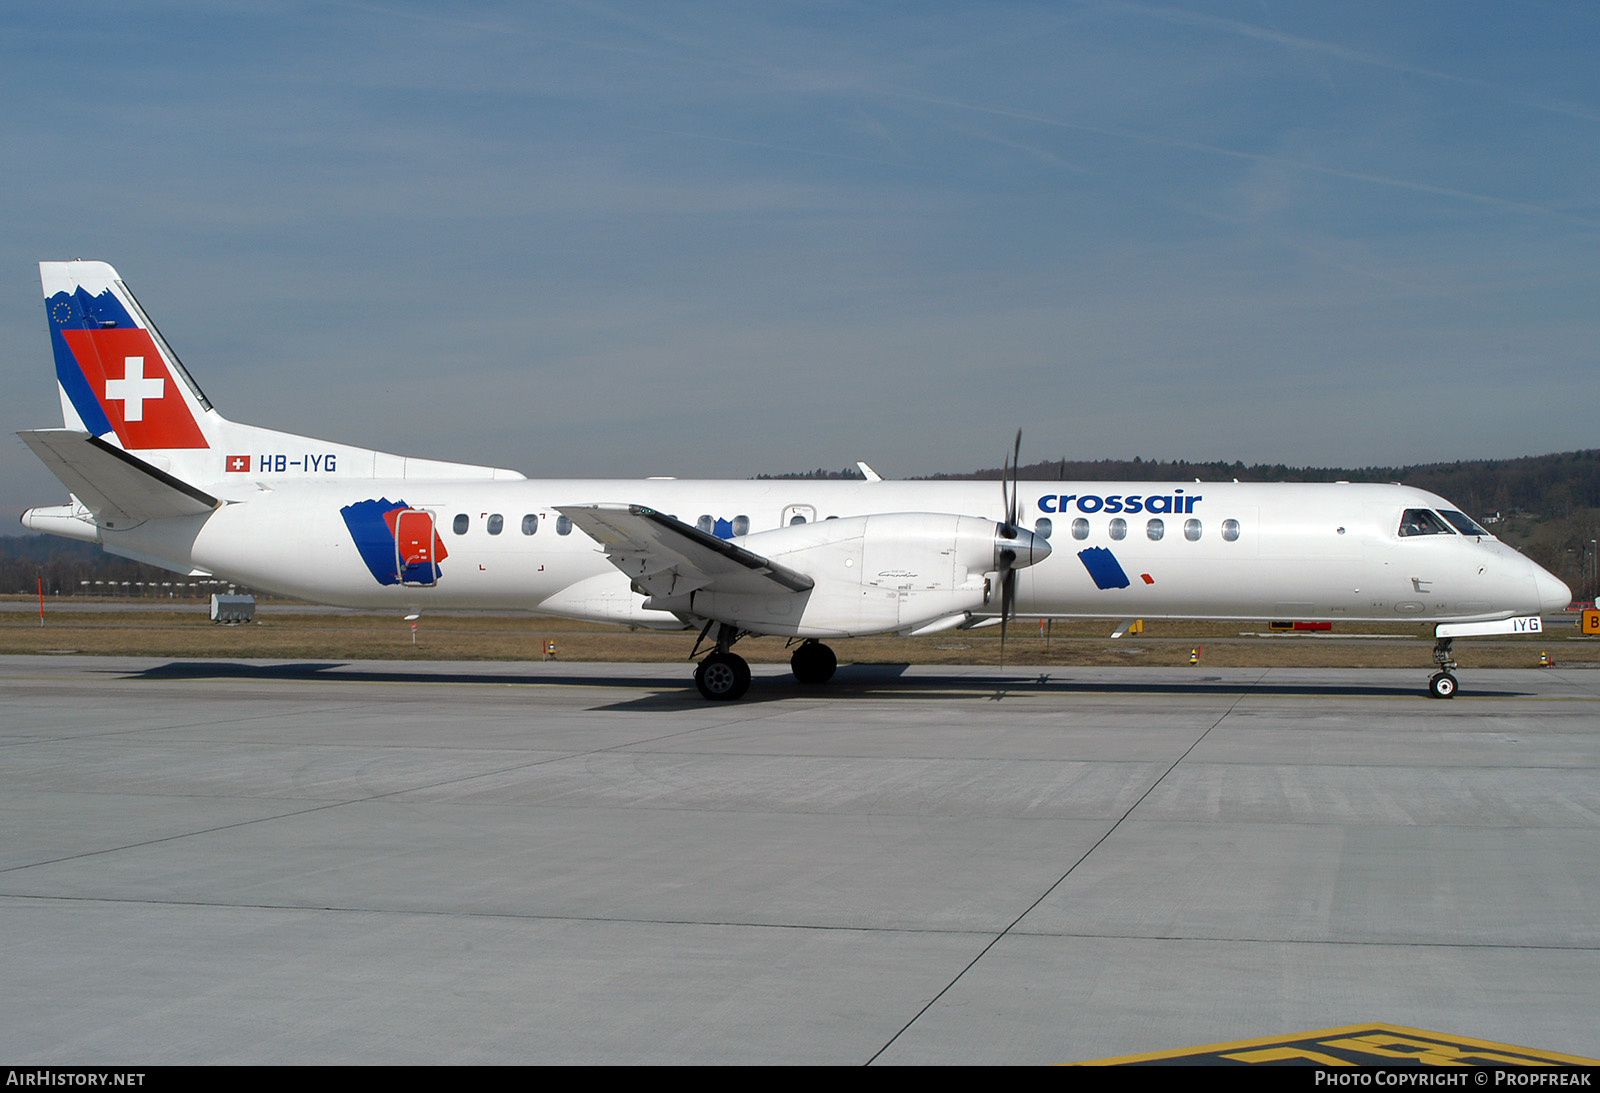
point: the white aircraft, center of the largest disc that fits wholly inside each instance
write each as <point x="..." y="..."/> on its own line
<point x="156" y="474"/>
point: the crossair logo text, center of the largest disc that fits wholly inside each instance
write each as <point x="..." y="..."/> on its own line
<point x="1175" y="502"/>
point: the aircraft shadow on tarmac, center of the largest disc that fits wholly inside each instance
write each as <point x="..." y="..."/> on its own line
<point x="877" y="682"/>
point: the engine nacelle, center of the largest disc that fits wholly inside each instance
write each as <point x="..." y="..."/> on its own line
<point x="873" y="574"/>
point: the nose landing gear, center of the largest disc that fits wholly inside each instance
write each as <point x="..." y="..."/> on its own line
<point x="1442" y="684"/>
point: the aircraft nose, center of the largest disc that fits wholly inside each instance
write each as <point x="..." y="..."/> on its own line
<point x="1554" y="595"/>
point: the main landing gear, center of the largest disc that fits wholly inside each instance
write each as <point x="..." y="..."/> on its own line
<point x="813" y="662"/>
<point x="724" y="676"/>
<point x="1443" y="683"/>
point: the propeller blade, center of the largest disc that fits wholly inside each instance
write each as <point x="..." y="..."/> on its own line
<point x="1005" y="494"/>
<point x="1008" y="572"/>
<point x="1008" y="593"/>
<point x="1011" y="499"/>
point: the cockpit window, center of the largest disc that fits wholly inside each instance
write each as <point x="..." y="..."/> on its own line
<point x="1463" y="523"/>
<point x="1422" y="522"/>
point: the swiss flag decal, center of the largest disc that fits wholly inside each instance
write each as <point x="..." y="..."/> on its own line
<point x="238" y="463"/>
<point x="125" y="371"/>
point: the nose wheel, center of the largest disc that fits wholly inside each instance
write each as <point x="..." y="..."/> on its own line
<point x="722" y="677"/>
<point x="1442" y="684"/>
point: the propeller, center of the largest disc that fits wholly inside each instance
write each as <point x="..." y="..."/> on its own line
<point x="1007" y="556"/>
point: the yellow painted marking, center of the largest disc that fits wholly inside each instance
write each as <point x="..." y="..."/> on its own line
<point x="1357" y="1045"/>
<point x="1283" y="1054"/>
<point x="1429" y="1052"/>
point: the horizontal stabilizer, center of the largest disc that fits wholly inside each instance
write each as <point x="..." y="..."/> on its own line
<point x="666" y="557"/>
<point x="117" y="487"/>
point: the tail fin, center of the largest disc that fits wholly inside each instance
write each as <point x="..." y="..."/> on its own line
<point x="122" y="385"/>
<point x="116" y="374"/>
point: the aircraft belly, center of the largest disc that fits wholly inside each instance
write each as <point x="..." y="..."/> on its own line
<point x="167" y="543"/>
<point x="606" y="597"/>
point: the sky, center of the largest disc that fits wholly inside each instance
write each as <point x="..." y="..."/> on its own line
<point x="725" y="239"/>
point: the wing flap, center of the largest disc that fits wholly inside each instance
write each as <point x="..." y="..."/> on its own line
<point x="111" y="483"/>
<point x="666" y="557"/>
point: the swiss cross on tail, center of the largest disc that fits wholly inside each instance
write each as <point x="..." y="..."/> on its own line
<point x="126" y="374"/>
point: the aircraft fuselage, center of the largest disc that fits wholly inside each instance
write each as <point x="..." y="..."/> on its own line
<point x="1235" y="550"/>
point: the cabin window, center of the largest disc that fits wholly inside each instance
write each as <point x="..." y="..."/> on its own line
<point x="741" y="525"/>
<point x="1230" y="531"/>
<point x="705" y="524"/>
<point x="1463" y="523"/>
<point x="1080" y="528"/>
<point x="530" y="524"/>
<point x="1043" y="526"/>
<point x="797" y="518"/>
<point x="1118" y="528"/>
<point x="497" y="524"/>
<point x="1422" y="522"/>
<point x="459" y="526"/>
<point x="563" y="526"/>
<point x="1191" y="530"/>
<point x="1155" y="529"/>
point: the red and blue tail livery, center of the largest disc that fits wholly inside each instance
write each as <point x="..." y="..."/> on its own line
<point x="110" y="368"/>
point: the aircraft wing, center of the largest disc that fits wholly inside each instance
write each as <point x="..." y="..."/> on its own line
<point x="112" y="483"/>
<point x="666" y="557"/>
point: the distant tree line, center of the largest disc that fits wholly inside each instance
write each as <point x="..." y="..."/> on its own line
<point x="64" y="564"/>
<point x="820" y="473"/>
<point x="1544" y="485"/>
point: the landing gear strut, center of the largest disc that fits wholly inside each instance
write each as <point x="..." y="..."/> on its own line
<point x="723" y="676"/>
<point x="1443" y="683"/>
<point x="813" y="662"/>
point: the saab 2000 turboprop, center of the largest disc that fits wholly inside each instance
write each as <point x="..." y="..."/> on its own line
<point x="158" y="475"/>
